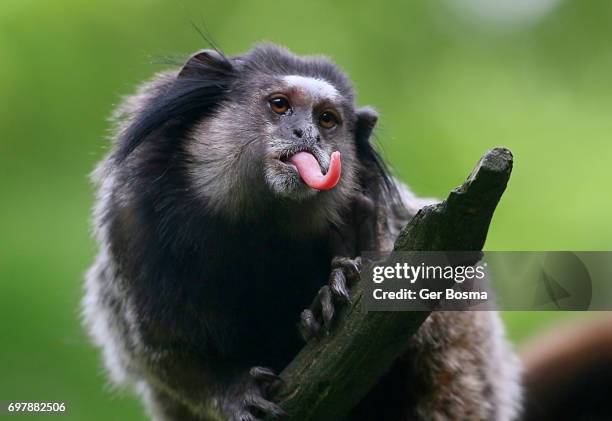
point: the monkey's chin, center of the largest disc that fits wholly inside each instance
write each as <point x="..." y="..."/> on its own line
<point x="285" y="182"/>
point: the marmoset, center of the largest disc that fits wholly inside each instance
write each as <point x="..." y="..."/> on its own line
<point x="232" y="208"/>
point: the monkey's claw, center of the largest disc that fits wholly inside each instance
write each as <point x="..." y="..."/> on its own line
<point x="269" y="381"/>
<point x="319" y="316"/>
<point x="254" y="404"/>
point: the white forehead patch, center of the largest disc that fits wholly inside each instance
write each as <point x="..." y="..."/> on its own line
<point x="318" y="88"/>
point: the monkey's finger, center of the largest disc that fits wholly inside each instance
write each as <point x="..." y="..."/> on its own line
<point x="353" y="270"/>
<point x="337" y="284"/>
<point x="350" y="267"/>
<point x="327" y="306"/>
<point x="269" y="409"/>
<point x="321" y="312"/>
<point x="263" y="374"/>
<point x="315" y="306"/>
<point x="266" y="379"/>
<point x="339" y="261"/>
<point x="243" y="416"/>
<point x="309" y="327"/>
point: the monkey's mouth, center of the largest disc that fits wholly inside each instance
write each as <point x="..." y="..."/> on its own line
<point x="310" y="171"/>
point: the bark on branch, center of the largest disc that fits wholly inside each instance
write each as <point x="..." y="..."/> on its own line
<point x="330" y="375"/>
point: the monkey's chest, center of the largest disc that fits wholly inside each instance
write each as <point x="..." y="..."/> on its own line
<point x="272" y="285"/>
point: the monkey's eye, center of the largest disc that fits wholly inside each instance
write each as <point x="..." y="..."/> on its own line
<point x="328" y="120"/>
<point x="280" y="104"/>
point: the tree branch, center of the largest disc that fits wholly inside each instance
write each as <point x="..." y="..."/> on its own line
<point x="332" y="374"/>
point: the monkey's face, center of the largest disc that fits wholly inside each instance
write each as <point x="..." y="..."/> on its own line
<point x="271" y="140"/>
<point x="277" y="138"/>
<point x="305" y="120"/>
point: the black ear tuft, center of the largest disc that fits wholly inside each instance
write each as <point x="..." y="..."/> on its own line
<point x="367" y="118"/>
<point x="377" y="175"/>
<point x="204" y="61"/>
<point x="198" y="89"/>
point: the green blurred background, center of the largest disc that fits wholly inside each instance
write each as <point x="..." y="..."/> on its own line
<point x="451" y="78"/>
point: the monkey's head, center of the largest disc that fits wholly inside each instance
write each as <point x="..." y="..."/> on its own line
<point x="257" y="132"/>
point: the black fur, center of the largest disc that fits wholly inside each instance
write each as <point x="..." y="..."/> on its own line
<point x="190" y="98"/>
<point x="166" y="243"/>
<point x="189" y="302"/>
<point x="219" y="295"/>
<point x="371" y="158"/>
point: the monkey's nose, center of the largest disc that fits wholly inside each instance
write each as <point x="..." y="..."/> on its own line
<point x="298" y="132"/>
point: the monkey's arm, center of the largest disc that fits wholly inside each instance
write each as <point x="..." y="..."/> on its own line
<point x="369" y="225"/>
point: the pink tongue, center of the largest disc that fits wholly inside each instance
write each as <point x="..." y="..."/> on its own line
<point x="310" y="171"/>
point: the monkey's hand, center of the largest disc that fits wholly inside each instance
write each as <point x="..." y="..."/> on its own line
<point x="249" y="399"/>
<point x="319" y="317"/>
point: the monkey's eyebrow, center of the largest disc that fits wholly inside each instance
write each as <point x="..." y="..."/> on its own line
<point x="317" y="88"/>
